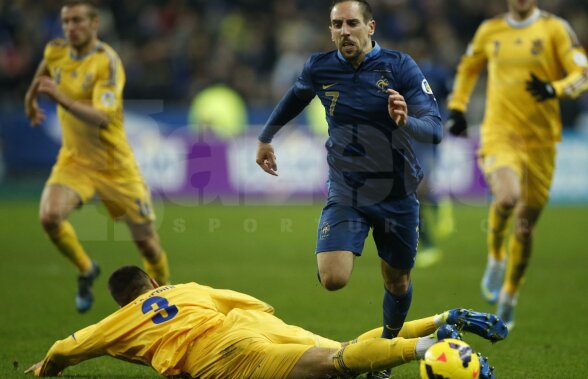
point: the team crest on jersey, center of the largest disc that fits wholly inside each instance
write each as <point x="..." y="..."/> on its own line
<point x="325" y="230"/>
<point x="382" y="84"/>
<point x="426" y="87"/>
<point x="536" y="47"/>
<point x="107" y="99"/>
<point x="88" y="80"/>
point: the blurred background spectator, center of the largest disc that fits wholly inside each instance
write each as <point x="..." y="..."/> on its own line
<point x="174" y="49"/>
<point x="181" y="56"/>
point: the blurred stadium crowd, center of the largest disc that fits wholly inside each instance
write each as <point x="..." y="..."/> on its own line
<point x="173" y="49"/>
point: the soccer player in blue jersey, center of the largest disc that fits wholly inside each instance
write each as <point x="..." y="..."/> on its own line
<point x="377" y="103"/>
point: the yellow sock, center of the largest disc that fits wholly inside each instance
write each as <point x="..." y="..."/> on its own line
<point x="66" y="240"/>
<point x="498" y="223"/>
<point x="159" y="270"/>
<point x="518" y="259"/>
<point x="410" y="329"/>
<point x="374" y="354"/>
<point x="418" y="328"/>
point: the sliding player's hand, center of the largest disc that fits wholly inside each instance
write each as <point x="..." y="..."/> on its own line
<point x="456" y="124"/>
<point x="397" y="108"/>
<point x="541" y="90"/>
<point x="35" y="369"/>
<point x="266" y="159"/>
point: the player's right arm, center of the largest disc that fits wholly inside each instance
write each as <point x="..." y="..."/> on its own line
<point x="468" y="70"/>
<point x="290" y="106"/>
<point x="84" y="112"/>
<point x="78" y="347"/>
<point x="34" y="113"/>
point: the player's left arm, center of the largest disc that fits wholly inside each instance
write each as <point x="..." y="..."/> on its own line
<point x="107" y="94"/>
<point x="573" y="59"/>
<point x="290" y="106"/>
<point x="413" y="105"/>
<point x="225" y="300"/>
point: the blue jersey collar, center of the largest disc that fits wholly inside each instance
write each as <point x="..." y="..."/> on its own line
<point x="370" y="55"/>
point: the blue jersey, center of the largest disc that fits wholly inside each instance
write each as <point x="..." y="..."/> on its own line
<point x="370" y="158"/>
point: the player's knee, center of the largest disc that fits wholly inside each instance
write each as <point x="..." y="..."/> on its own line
<point x="397" y="288"/>
<point x="146" y="246"/>
<point x="50" y="220"/>
<point x="333" y="281"/>
<point x="523" y="232"/>
<point x="149" y="247"/>
<point x="507" y="202"/>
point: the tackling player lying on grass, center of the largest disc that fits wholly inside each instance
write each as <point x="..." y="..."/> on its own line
<point x="192" y="329"/>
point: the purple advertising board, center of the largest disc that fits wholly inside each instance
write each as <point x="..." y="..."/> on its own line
<point x="182" y="164"/>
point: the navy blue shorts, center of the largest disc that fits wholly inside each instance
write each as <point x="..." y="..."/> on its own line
<point x="394" y="223"/>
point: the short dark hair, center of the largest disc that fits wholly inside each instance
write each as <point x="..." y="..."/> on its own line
<point x="367" y="12"/>
<point x="90" y="4"/>
<point x="127" y="283"/>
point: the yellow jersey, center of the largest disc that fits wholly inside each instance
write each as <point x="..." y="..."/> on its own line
<point x="544" y="45"/>
<point x="98" y="79"/>
<point x="156" y="329"/>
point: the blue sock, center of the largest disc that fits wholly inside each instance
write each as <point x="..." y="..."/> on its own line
<point x="395" y="311"/>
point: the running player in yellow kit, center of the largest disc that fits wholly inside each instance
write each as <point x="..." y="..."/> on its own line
<point x="533" y="58"/>
<point x="85" y="77"/>
<point x="195" y="330"/>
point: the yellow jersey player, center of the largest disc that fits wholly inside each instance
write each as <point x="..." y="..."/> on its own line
<point x="533" y="58"/>
<point x="202" y="332"/>
<point x="85" y="77"/>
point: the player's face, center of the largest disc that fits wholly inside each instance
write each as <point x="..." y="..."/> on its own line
<point x="522" y="8"/>
<point x="79" y="28"/>
<point x="350" y="32"/>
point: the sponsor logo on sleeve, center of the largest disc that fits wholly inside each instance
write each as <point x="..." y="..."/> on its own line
<point x="426" y="87"/>
<point x="107" y="99"/>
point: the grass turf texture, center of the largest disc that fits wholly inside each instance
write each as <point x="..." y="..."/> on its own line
<point x="267" y="251"/>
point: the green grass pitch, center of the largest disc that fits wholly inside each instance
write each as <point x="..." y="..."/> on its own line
<point x="267" y="251"/>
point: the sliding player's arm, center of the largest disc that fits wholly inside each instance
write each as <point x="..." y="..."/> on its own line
<point x="225" y="300"/>
<point x="80" y="346"/>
